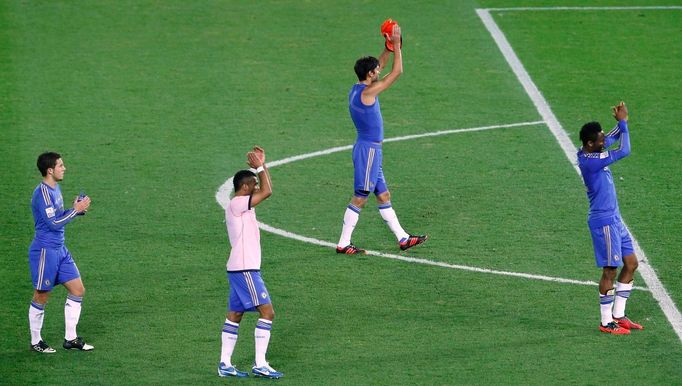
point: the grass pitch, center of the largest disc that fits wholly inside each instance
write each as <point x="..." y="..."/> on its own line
<point x="153" y="105"/>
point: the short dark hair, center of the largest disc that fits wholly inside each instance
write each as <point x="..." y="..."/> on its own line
<point x="47" y="160"/>
<point x="240" y="178"/>
<point x="364" y="65"/>
<point x="590" y="132"/>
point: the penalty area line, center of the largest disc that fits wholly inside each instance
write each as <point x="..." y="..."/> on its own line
<point x="646" y="271"/>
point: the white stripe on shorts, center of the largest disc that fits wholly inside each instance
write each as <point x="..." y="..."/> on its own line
<point x="252" y="288"/>
<point x="368" y="170"/>
<point x="41" y="269"/>
<point x="607" y="239"/>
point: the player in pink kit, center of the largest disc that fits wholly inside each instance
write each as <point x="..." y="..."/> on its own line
<point x="247" y="289"/>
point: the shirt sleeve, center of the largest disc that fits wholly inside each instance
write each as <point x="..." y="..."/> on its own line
<point x="612" y="136"/>
<point x="606" y="158"/>
<point x="239" y="205"/>
<point x="49" y="214"/>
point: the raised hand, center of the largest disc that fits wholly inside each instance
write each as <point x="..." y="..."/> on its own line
<point x="253" y="160"/>
<point x="260" y="153"/>
<point x="620" y="111"/>
<point x="396" y="36"/>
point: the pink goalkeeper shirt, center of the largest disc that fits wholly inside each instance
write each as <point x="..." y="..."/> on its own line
<point x="242" y="229"/>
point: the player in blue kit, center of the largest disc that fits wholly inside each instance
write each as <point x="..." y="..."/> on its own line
<point x="49" y="260"/>
<point x="611" y="239"/>
<point x="363" y="104"/>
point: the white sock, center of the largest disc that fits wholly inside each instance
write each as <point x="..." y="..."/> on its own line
<point x="350" y="219"/>
<point x="622" y="295"/>
<point x="36" y="312"/>
<point x="229" y="337"/>
<point x="391" y="219"/>
<point x="72" y="313"/>
<point x="606" y="307"/>
<point x="262" y="335"/>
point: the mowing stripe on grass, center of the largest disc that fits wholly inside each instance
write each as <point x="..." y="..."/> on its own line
<point x="646" y="271"/>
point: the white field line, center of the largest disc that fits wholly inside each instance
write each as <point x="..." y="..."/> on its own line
<point x="646" y="271"/>
<point x="416" y="260"/>
<point x="223" y="198"/>
<point x="605" y="8"/>
<point x="224" y="191"/>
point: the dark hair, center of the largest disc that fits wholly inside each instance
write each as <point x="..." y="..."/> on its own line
<point x="364" y="65"/>
<point x="240" y="178"/>
<point x="47" y="160"/>
<point x="590" y="132"/>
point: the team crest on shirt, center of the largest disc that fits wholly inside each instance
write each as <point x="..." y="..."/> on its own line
<point x="50" y="212"/>
<point x="604" y="154"/>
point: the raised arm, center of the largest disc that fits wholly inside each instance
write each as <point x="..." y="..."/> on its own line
<point x="606" y="158"/>
<point x="256" y="159"/>
<point x="620" y="113"/>
<point x="396" y="70"/>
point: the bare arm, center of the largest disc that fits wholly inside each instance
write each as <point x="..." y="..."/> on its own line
<point x="383" y="58"/>
<point x="256" y="159"/>
<point x="371" y="91"/>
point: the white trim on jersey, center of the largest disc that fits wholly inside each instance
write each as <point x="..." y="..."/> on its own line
<point x="46" y="195"/>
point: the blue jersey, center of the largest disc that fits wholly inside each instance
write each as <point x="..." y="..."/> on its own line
<point x="594" y="168"/>
<point x="367" y="119"/>
<point x="49" y="215"/>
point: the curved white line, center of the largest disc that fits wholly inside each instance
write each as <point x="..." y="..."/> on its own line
<point x="223" y="198"/>
<point x="224" y="191"/>
<point x="416" y="260"/>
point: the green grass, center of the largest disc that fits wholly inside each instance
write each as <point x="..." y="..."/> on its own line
<point x="153" y="105"/>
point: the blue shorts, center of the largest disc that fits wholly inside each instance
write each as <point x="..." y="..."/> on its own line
<point x="51" y="266"/>
<point x="368" y="176"/>
<point x="247" y="291"/>
<point x="611" y="242"/>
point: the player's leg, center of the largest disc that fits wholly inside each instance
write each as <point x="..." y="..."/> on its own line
<point x="70" y="277"/>
<point x="609" y="261"/>
<point x="364" y="167"/>
<point x="36" y="313"/>
<point x="625" y="281"/>
<point x="350" y="220"/>
<point x="72" y="314"/>
<point x="262" y="335"/>
<point x="405" y="240"/>
<point x="263" y="328"/>
<point x="43" y="267"/>
<point x="230" y="333"/>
